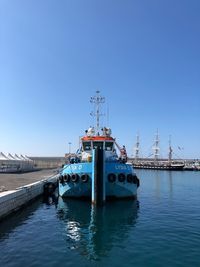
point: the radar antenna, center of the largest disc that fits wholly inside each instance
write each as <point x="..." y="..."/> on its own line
<point x="97" y="100"/>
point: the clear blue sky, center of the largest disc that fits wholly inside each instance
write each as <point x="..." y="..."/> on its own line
<point x="144" y="57"/>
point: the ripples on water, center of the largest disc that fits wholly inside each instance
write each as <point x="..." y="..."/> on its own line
<point x="163" y="231"/>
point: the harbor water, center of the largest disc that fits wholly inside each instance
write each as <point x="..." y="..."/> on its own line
<point x="162" y="228"/>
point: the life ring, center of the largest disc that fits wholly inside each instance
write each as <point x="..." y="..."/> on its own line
<point x="129" y="178"/>
<point x="75" y="178"/>
<point x="121" y="177"/>
<point x="66" y="178"/>
<point x="111" y="177"/>
<point x="84" y="178"/>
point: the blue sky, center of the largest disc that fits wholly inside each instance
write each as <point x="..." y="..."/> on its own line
<point x="144" y="57"/>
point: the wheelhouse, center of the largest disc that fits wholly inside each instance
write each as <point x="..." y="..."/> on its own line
<point x="106" y="144"/>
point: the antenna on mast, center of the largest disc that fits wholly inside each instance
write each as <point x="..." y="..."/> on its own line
<point x="97" y="100"/>
<point x="107" y="123"/>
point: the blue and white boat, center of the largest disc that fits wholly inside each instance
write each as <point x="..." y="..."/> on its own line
<point x="97" y="171"/>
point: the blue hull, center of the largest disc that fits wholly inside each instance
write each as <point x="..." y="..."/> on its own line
<point x="113" y="189"/>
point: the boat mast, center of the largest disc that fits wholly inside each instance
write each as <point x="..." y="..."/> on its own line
<point x="170" y="150"/>
<point x="156" y="147"/>
<point x="136" y="148"/>
<point x="97" y="100"/>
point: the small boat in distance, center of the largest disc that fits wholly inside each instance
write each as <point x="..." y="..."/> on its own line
<point x="97" y="171"/>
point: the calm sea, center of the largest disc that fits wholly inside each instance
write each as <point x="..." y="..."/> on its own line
<point x="161" y="229"/>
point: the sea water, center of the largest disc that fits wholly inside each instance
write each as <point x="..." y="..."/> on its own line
<point x="162" y="228"/>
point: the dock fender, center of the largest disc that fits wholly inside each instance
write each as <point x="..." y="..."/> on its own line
<point x="121" y="177"/>
<point x="75" y="178"/>
<point x="129" y="178"/>
<point x="111" y="177"/>
<point x="49" y="188"/>
<point x="84" y="178"/>
<point x="61" y="179"/>
<point x="66" y="178"/>
<point x="138" y="182"/>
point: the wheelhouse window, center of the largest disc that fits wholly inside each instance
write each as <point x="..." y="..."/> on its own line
<point x="109" y="146"/>
<point x="98" y="144"/>
<point x="86" y="146"/>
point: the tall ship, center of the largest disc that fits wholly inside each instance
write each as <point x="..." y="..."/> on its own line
<point x="155" y="163"/>
<point x="99" y="170"/>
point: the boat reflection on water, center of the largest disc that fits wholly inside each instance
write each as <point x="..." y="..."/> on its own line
<point x="93" y="231"/>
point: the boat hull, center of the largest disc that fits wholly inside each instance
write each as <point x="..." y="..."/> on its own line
<point x="159" y="167"/>
<point x="113" y="189"/>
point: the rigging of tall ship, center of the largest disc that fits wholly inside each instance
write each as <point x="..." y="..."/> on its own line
<point x="156" y="163"/>
<point x="99" y="170"/>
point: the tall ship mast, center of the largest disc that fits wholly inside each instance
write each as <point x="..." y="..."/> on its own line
<point x="156" y="147"/>
<point x="137" y="147"/>
<point x="170" y="151"/>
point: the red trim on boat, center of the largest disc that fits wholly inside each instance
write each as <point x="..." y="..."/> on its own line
<point x="97" y="138"/>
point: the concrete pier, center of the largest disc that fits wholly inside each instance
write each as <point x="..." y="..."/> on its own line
<point x="29" y="186"/>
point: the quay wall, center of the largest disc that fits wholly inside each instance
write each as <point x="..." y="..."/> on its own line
<point x="48" y="162"/>
<point x="13" y="200"/>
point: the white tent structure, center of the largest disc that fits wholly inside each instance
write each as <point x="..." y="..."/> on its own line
<point x="19" y="161"/>
<point x="29" y="162"/>
<point x="14" y="163"/>
<point x="11" y="158"/>
<point x="26" y="163"/>
<point x="3" y="162"/>
<point x="3" y="156"/>
<point x="8" y="163"/>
